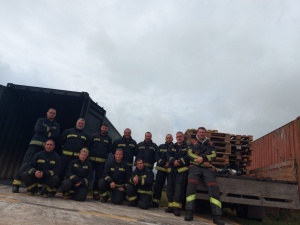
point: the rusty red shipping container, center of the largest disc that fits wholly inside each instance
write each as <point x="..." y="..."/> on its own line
<point x="280" y="147"/>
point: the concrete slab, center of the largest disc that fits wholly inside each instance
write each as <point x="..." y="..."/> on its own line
<point x="23" y="209"/>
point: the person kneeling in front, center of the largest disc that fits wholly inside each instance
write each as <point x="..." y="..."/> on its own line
<point x="139" y="188"/>
<point x="79" y="174"/>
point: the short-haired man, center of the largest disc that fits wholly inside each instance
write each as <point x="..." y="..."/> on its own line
<point x="44" y="168"/>
<point x="146" y="150"/>
<point x="201" y="155"/>
<point x="44" y="129"/>
<point x="162" y="167"/>
<point x="72" y="141"/>
<point x="129" y="145"/>
<point x="116" y="175"/>
<point x="139" y="187"/>
<point x="100" y="146"/>
<point x="179" y="164"/>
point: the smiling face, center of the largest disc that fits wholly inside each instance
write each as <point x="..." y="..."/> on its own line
<point x="83" y="156"/>
<point x="80" y="124"/>
<point x="201" y="134"/>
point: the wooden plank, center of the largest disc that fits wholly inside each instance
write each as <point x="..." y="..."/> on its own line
<point x="279" y="171"/>
<point x="255" y="192"/>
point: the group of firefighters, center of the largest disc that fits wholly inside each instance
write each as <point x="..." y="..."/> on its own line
<point x="106" y="167"/>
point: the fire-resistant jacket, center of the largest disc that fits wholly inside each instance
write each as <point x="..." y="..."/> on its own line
<point x="204" y="149"/>
<point x="179" y="153"/>
<point x="129" y="148"/>
<point x="100" y="146"/>
<point x="117" y="172"/>
<point x="146" y="178"/>
<point x="47" y="162"/>
<point x="44" y="129"/>
<point x="78" y="171"/>
<point x="146" y="151"/>
<point x="161" y="157"/>
<point x="73" y="140"/>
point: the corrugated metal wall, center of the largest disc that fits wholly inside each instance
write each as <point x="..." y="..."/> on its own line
<point x="277" y="154"/>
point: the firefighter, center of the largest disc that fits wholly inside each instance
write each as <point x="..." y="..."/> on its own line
<point x="43" y="171"/>
<point x="178" y="159"/>
<point x="201" y="155"/>
<point x="162" y="167"/>
<point x="146" y="151"/>
<point x="128" y="145"/>
<point x="44" y="129"/>
<point x="139" y="187"/>
<point x="79" y="174"/>
<point x="116" y="175"/>
<point x="100" y="147"/>
<point x="72" y="141"/>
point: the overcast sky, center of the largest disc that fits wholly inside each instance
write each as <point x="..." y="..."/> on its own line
<point x="162" y="66"/>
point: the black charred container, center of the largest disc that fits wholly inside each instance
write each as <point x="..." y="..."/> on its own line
<point x="21" y="106"/>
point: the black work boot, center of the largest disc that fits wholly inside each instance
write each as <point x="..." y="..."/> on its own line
<point x="104" y="199"/>
<point x="189" y="215"/>
<point x="218" y="220"/>
<point x="15" y="189"/>
<point x="169" y="210"/>
<point x="154" y="205"/>
<point x="176" y="212"/>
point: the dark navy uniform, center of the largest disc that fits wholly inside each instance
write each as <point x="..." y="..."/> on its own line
<point x="177" y="175"/>
<point x="140" y="194"/>
<point x="119" y="173"/>
<point x="129" y="149"/>
<point x="72" y="140"/>
<point x="146" y="151"/>
<point x="162" y="172"/>
<point x="47" y="162"/>
<point x="44" y="129"/>
<point x="77" y="171"/>
<point x="100" y="147"/>
<point x="203" y="171"/>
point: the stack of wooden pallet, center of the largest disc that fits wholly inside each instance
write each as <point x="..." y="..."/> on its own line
<point x="233" y="151"/>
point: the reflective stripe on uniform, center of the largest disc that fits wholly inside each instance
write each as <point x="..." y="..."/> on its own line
<point x="191" y="198"/>
<point x="17" y="182"/>
<point x="161" y="168"/>
<point x="144" y="192"/>
<point x="183" y="169"/>
<point x="177" y="205"/>
<point x="104" y="194"/>
<point x="68" y="153"/>
<point x="149" y="165"/>
<point x="130" y="199"/>
<point x="40" y="143"/>
<point x="216" y="202"/>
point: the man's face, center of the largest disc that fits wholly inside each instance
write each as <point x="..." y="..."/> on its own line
<point x="127" y="133"/>
<point x="119" y="156"/>
<point x="51" y="114"/>
<point x="80" y="124"/>
<point x="179" y="138"/>
<point x="103" y="129"/>
<point x="49" y="146"/>
<point x="201" y="134"/>
<point x="140" y="164"/>
<point x="148" y="137"/>
<point x="83" y="156"/>
<point x="169" y="139"/>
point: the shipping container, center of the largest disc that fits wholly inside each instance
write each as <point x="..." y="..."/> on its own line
<point x="21" y="106"/>
<point x="276" y="155"/>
